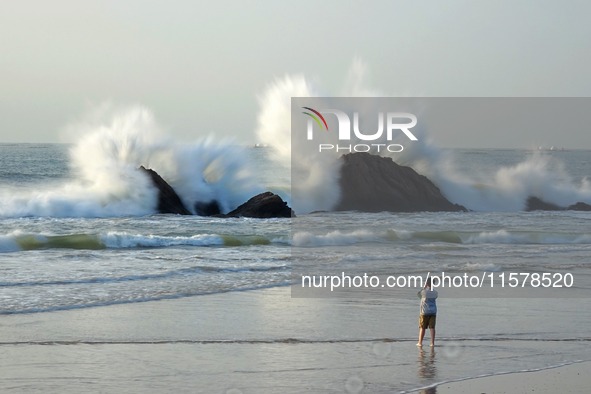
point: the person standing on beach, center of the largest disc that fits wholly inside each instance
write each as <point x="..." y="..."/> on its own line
<point x="428" y="314"/>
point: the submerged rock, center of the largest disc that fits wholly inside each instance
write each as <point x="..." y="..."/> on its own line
<point x="580" y="206"/>
<point x="264" y="205"/>
<point x="537" y="204"/>
<point x="373" y="183"/>
<point x="207" y="208"/>
<point x="168" y="200"/>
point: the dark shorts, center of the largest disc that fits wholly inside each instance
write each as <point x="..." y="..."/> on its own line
<point x="427" y="321"/>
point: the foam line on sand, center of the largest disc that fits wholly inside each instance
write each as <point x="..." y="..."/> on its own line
<point x="570" y="378"/>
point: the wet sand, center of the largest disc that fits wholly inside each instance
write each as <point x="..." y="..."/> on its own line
<point x="263" y="341"/>
<point x="573" y="378"/>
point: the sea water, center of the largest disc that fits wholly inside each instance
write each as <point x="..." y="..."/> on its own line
<point x="56" y="254"/>
<point x="67" y="242"/>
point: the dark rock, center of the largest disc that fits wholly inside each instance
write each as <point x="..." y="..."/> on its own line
<point x="168" y="200"/>
<point x="580" y="206"/>
<point x="264" y="205"/>
<point x="537" y="204"/>
<point x="207" y="208"/>
<point x="373" y="183"/>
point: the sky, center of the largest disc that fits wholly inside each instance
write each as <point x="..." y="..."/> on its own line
<point x="200" y="66"/>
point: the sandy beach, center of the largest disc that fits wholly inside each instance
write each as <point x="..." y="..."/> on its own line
<point x="256" y="342"/>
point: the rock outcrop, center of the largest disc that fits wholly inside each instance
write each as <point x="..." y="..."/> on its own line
<point x="210" y="208"/>
<point x="537" y="204"/>
<point x="373" y="183"/>
<point x="580" y="206"/>
<point x="369" y="183"/>
<point x="264" y="205"/>
<point x="168" y="200"/>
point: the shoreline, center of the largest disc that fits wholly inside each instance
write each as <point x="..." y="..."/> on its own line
<point x="257" y="341"/>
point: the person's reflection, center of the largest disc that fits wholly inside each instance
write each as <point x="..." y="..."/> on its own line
<point x="427" y="369"/>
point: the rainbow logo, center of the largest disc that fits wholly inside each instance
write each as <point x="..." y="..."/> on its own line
<point x="317" y="116"/>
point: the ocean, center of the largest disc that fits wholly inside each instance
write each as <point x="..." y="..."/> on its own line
<point x="86" y="236"/>
<point x="57" y="254"/>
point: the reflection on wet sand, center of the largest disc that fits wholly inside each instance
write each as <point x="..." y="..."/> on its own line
<point x="427" y="369"/>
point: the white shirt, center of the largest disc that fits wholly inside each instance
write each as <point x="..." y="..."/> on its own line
<point x="428" y="304"/>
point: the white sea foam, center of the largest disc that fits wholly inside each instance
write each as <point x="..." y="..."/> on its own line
<point x="106" y="183"/>
<point x="122" y="240"/>
<point x="530" y="237"/>
<point x="334" y="238"/>
<point x="113" y="144"/>
<point x="118" y="240"/>
<point x="510" y="186"/>
<point x="317" y="176"/>
<point x="340" y="238"/>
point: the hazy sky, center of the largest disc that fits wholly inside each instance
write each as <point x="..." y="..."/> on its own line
<point x="199" y="66"/>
